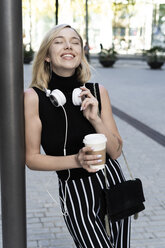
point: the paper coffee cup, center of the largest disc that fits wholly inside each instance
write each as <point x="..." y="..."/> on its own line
<point x="96" y="141"/>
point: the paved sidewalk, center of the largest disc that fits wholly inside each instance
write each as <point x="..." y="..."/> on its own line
<point x="139" y="92"/>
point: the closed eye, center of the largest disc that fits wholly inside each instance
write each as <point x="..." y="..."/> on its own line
<point x="58" y="42"/>
<point x="75" y="40"/>
<point x="76" y="43"/>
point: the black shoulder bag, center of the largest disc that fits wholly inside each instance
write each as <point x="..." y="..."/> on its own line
<point x="124" y="199"/>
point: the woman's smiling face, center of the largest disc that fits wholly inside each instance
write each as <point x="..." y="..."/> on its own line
<point x="65" y="52"/>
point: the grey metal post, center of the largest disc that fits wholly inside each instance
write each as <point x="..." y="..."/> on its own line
<point x="12" y="126"/>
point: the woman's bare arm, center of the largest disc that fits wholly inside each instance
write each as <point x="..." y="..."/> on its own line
<point x="34" y="159"/>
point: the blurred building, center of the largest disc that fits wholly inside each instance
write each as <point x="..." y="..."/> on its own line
<point x="138" y="25"/>
<point x="131" y="25"/>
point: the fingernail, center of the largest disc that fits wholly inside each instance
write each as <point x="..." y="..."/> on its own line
<point x="81" y="108"/>
<point x="99" y="156"/>
<point x="99" y="160"/>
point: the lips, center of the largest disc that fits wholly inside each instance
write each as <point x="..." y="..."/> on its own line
<point x="67" y="55"/>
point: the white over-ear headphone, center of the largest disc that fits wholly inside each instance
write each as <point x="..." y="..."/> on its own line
<point x="58" y="98"/>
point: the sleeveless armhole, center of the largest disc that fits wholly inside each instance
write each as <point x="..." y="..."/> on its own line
<point x="39" y="93"/>
<point x="94" y="88"/>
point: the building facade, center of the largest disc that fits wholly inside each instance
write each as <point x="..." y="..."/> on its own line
<point x="129" y="25"/>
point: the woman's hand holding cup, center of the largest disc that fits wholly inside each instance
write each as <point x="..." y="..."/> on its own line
<point x="92" y="156"/>
<point x="85" y="159"/>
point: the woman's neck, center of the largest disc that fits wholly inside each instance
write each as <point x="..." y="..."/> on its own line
<point x="64" y="73"/>
<point x="63" y="83"/>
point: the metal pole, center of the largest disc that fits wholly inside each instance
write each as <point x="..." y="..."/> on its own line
<point x="12" y="126"/>
<point x="56" y="12"/>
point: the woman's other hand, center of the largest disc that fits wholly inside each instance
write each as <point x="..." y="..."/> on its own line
<point x="89" y="105"/>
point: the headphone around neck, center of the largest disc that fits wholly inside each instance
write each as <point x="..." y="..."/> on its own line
<point x="58" y="98"/>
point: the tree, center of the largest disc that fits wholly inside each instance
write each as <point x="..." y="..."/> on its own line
<point x="56" y="8"/>
<point x="123" y="11"/>
<point x="86" y="21"/>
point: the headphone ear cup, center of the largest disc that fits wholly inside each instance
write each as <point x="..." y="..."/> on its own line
<point x="76" y="99"/>
<point x="57" y="98"/>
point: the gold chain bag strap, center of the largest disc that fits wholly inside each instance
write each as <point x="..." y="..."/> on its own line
<point x="124" y="198"/>
<point x="129" y="170"/>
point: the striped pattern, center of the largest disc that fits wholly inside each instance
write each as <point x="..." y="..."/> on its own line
<point x="83" y="219"/>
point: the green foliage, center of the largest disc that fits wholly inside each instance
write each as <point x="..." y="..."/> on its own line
<point x="28" y="53"/>
<point x="156" y="53"/>
<point x="107" y="57"/>
<point x="108" y="54"/>
<point x="156" y="49"/>
<point x="161" y="13"/>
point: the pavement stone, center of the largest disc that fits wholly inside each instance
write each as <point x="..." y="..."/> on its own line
<point x="140" y="92"/>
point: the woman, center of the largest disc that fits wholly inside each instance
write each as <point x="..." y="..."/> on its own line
<point x="60" y="64"/>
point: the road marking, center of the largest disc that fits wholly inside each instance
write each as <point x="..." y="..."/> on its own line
<point x="153" y="134"/>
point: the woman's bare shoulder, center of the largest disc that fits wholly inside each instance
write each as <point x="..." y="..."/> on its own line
<point x="30" y="96"/>
<point x="31" y="101"/>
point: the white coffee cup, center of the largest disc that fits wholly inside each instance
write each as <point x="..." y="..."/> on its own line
<point x="97" y="142"/>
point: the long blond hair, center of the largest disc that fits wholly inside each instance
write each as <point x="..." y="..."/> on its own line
<point x="41" y="68"/>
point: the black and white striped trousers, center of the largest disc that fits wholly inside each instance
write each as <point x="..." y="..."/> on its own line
<point x="83" y="217"/>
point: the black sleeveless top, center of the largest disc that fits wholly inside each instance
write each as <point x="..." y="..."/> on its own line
<point x="54" y="124"/>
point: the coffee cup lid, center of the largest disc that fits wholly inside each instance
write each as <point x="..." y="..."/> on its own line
<point x="94" y="138"/>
